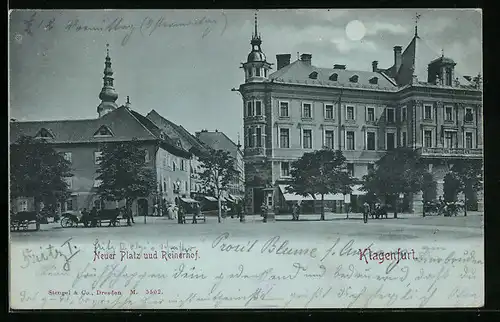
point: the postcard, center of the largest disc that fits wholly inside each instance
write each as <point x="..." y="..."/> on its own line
<point x="245" y="159"/>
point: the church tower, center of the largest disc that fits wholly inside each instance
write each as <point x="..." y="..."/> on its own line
<point x="256" y="68"/>
<point x="108" y="94"/>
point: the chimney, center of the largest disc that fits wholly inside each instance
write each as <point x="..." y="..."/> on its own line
<point x="282" y="60"/>
<point x="306" y="58"/>
<point x="337" y="66"/>
<point x="397" y="57"/>
<point x="374" y="66"/>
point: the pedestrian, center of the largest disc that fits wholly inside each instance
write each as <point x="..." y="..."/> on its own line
<point x="196" y="212"/>
<point x="366" y="211"/>
<point x="180" y="215"/>
<point x="93" y="217"/>
<point x="176" y="212"/>
<point x="263" y="209"/>
<point x="85" y="217"/>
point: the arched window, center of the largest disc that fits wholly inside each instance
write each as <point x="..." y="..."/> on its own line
<point x="354" y="79"/>
<point x="333" y="77"/>
<point x="313" y="75"/>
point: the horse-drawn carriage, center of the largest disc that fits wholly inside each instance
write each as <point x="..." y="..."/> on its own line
<point x="447" y="209"/>
<point x="23" y="220"/>
<point x="74" y="218"/>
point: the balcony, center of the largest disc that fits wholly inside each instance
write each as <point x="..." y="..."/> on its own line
<point x="261" y="151"/>
<point x="451" y="153"/>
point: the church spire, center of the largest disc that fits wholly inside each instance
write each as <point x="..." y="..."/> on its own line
<point x="256" y="41"/>
<point x="108" y="94"/>
<point x="417" y="18"/>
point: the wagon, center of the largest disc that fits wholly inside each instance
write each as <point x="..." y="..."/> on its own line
<point x="23" y="220"/>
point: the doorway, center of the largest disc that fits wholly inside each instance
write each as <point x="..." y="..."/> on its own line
<point x="142" y="207"/>
<point x="258" y="198"/>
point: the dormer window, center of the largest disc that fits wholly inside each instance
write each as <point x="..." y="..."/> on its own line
<point x="333" y="77"/>
<point x="374" y="80"/>
<point x="44" y="134"/>
<point x="354" y="79"/>
<point x="313" y="75"/>
<point x="103" y="131"/>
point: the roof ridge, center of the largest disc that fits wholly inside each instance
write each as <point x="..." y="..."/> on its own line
<point x="133" y="116"/>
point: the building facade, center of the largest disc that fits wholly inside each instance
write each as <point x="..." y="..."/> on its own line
<point x="300" y="108"/>
<point x="188" y="142"/>
<point x="80" y="141"/>
<point x="219" y="141"/>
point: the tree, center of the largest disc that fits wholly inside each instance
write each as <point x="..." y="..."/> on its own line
<point x="124" y="174"/>
<point x="429" y="187"/>
<point x="320" y="172"/>
<point x="217" y="173"/>
<point x="451" y="187"/>
<point x="469" y="175"/>
<point x="398" y="171"/>
<point x="38" y="171"/>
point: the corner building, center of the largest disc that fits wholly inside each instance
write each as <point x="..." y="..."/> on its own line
<point x="420" y="102"/>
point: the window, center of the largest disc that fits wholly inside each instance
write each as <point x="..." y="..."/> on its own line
<point x="186" y="188"/>
<point x="403" y="139"/>
<point x="350" y="169"/>
<point x="373" y="80"/>
<point x="390" y="141"/>
<point x="258" y="135"/>
<point x="468" y="115"/>
<point x="249" y="109"/>
<point x="67" y="156"/>
<point x="313" y="75"/>
<point x="370" y="114"/>
<point x="44" y="133"/>
<point x="468" y="140"/>
<point x="23" y="205"/>
<point x="428" y="112"/>
<point x="174" y="165"/>
<point x="265" y="72"/>
<point x="257" y="72"/>
<point x="307" y="139"/>
<point x="250" y="72"/>
<point x="354" y="79"/>
<point x="370" y="141"/>
<point x="284" y="109"/>
<point x="284" y="138"/>
<point x="69" y="182"/>
<point x="251" y="139"/>
<point x="350" y="113"/>
<point x="182" y="165"/>
<point x="103" y="131"/>
<point x="350" y="140"/>
<point x="146" y="156"/>
<point x="329" y="111"/>
<point x="97" y="183"/>
<point x="306" y="110"/>
<point x="390" y="115"/>
<point x="333" y="77"/>
<point x="450" y="139"/>
<point x="258" y="108"/>
<point x="97" y="155"/>
<point x="69" y="205"/>
<point x="371" y="167"/>
<point x="329" y="139"/>
<point x="285" y="169"/>
<point x="403" y="114"/>
<point x="448" y="113"/>
<point x="428" y="139"/>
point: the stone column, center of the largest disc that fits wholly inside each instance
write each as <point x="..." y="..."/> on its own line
<point x="480" y="200"/>
<point x="417" y="205"/>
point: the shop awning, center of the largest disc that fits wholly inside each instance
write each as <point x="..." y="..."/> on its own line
<point x="210" y="198"/>
<point x="294" y="197"/>
<point x="356" y="190"/>
<point x="188" y="200"/>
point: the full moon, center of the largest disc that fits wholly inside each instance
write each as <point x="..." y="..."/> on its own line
<point x="355" y="30"/>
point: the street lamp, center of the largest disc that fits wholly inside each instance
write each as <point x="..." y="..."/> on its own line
<point x="401" y="196"/>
